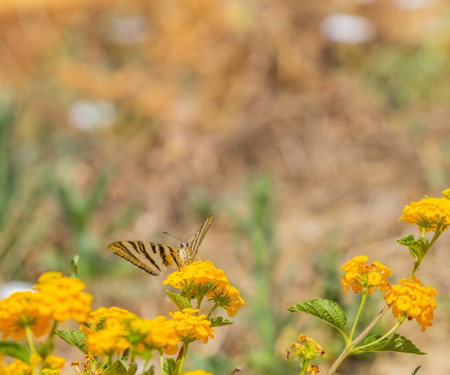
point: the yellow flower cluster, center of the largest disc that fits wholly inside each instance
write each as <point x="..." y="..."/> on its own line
<point x="18" y="368"/>
<point x="114" y="330"/>
<point x="192" y="327"/>
<point x="364" y="278"/>
<point x="227" y="297"/>
<point x="197" y="372"/>
<point x="106" y="331"/>
<point x="20" y="310"/>
<point x="57" y="297"/>
<point x="410" y="297"/>
<point x="307" y="348"/>
<point x="197" y="273"/>
<point x="431" y="214"/>
<point x="205" y="277"/>
<point x="158" y="333"/>
<point x="51" y="366"/>
<point x="63" y="298"/>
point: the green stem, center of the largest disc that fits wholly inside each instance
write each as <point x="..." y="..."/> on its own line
<point x="161" y="360"/>
<point x="350" y="345"/>
<point x="361" y="306"/>
<point x="216" y="305"/>
<point x="304" y="367"/>
<point x="199" y="302"/>
<point x="391" y="331"/>
<point x="185" y="349"/>
<point x="30" y="339"/>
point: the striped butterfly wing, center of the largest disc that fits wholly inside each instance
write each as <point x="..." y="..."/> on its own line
<point x="190" y="250"/>
<point x="149" y="256"/>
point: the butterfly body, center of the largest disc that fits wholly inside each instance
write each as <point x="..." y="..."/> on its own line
<point x="154" y="258"/>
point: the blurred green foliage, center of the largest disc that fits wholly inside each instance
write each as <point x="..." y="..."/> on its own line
<point x="256" y="226"/>
<point x="23" y="226"/>
<point x="46" y="216"/>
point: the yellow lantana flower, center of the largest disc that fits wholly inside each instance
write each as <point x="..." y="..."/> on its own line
<point x="431" y="214"/>
<point x="22" y="309"/>
<point x="106" y="330"/>
<point x="63" y="298"/>
<point x="107" y="341"/>
<point x="53" y="365"/>
<point x="362" y="277"/>
<point x="197" y="274"/>
<point x="18" y="368"/>
<point x="204" y="279"/>
<point x="107" y="318"/>
<point x="417" y="301"/>
<point x="228" y="298"/>
<point x="158" y="333"/>
<point x="191" y="327"/>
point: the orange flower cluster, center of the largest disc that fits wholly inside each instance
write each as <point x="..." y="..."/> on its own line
<point x="63" y="298"/>
<point x="113" y="330"/>
<point x="203" y="278"/>
<point x="309" y="350"/>
<point x="21" y="310"/>
<point x="415" y="300"/>
<point x="431" y="214"/>
<point x="197" y="372"/>
<point x="51" y="366"/>
<point x="192" y="327"/>
<point x="364" y="278"/>
<point x="106" y="331"/>
<point x="158" y="333"/>
<point x="57" y="297"/>
<point x="197" y="273"/>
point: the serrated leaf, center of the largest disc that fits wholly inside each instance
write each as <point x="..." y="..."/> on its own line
<point x="180" y="301"/>
<point x="395" y="343"/>
<point x="74" y="338"/>
<point x="328" y="311"/>
<point x="218" y="321"/>
<point x="15" y="350"/>
<point x="170" y="367"/>
<point x="116" y="368"/>
<point x="417" y="248"/>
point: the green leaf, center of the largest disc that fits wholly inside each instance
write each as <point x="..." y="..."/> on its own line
<point x="395" y="343"/>
<point x="116" y="368"/>
<point x="132" y="369"/>
<point x="74" y="266"/>
<point x="45" y="349"/>
<point x="180" y="301"/>
<point x="150" y="371"/>
<point x="170" y="367"/>
<point x="416" y="370"/>
<point x="15" y="350"/>
<point x="328" y="311"/>
<point x="417" y="248"/>
<point x="218" y="321"/>
<point x="74" y="338"/>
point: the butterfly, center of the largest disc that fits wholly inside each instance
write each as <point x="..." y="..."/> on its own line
<point x="154" y="258"/>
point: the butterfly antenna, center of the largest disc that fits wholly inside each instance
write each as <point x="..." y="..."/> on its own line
<point x="195" y="231"/>
<point x="171" y="235"/>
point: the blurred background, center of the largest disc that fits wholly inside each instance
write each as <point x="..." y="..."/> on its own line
<point x="303" y="126"/>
